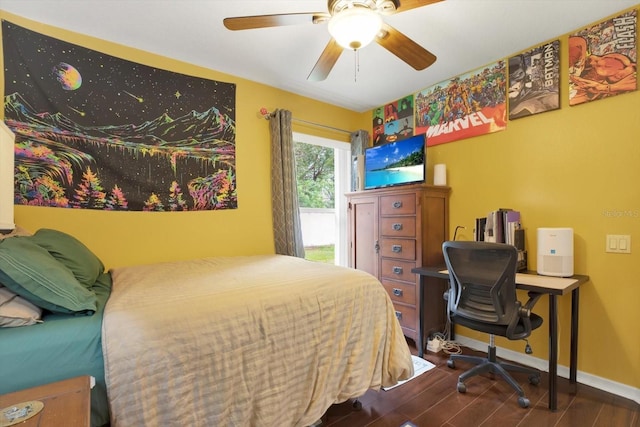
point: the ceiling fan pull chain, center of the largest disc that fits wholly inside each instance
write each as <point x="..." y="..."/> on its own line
<point x="356" y="66"/>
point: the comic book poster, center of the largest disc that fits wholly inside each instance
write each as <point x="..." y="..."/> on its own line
<point x="602" y="59"/>
<point x="378" y="126"/>
<point x="394" y="121"/>
<point x="468" y="105"/>
<point x="534" y="81"/>
<point x="94" y="131"/>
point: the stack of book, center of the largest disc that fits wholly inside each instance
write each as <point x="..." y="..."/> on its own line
<point x="503" y="226"/>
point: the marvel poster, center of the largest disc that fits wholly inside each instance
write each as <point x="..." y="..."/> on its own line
<point x="97" y="132"/>
<point x="468" y="105"/>
<point x="603" y="59"/>
<point x="534" y="81"/>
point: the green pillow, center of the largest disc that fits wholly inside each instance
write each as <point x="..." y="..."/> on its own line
<point x="33" y="273"/>
<point x="71" y="252"/>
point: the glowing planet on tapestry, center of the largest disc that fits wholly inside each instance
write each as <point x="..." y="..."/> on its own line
<point x="68" y="76"/>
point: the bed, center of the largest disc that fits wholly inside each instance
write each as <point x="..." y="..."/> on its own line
<point x="248" y="341"/>
<point x="62" y="346"/>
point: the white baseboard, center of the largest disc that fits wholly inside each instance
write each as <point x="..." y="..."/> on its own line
<point x="542" y="364"/>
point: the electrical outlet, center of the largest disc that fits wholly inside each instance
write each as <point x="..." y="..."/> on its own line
<point x="618" y="243"/>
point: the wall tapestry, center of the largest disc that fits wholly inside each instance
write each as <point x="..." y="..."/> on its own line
<point x="534" y="81"/>
<point x="602" y="59"/>
<point x="468" y="105"/>
<point x="394" y="121"/>
<point x="97" y="132"/>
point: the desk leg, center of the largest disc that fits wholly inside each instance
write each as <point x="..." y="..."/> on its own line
<point x="573" y="365"/>
<point x="553" y="352"/>
<point x="420" y="340"/>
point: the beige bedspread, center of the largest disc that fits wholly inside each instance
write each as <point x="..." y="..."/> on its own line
<point x="245" y="341"/>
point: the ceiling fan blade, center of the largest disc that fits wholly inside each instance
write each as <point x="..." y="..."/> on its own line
<point x="325" y="63"/>
<point x="412" y="4"/>
<point x="265" y="21"/>
<point x="404" y="48"/>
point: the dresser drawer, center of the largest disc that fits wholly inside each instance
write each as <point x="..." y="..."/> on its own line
<point x="398" y="248"/>
<point x="398" y="270"/>
<point x="400" y="292"/>
<point x="401" y="204"/>
<point x="398" y="226"/>
<point x="406" y="316"/>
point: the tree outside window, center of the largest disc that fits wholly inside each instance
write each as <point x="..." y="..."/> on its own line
<point x="315" y="176"/>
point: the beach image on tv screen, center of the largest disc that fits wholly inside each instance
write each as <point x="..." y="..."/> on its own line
<point x="395" y="163"/>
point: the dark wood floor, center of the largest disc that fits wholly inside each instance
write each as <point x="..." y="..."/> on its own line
<point x="432" y="400"/>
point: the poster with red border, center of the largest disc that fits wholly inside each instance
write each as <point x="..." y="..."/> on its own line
<point x="603" y="59"/>
<point x="467" y="105"/>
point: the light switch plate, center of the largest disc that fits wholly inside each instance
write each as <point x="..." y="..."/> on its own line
<point x="618" y="243"/>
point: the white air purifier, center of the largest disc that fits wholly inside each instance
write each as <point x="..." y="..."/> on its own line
<point x="555" y="252"/>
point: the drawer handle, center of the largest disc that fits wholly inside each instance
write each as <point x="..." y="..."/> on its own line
<point x="399" y="315"/>
<point x="397" y="204"/>
<point x="396" y="249"/>
<point x="397" y="270"/>
<point x="397" y="292"/>
<point x="397" y="226"/>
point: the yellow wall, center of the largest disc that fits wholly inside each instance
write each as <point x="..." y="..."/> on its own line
<point x="125" y="238"/>
<point x="574" y="167"/>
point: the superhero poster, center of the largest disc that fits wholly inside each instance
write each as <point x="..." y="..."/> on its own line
<point x="603" y="59"/>
<point x="534" y="81"/>
<point x="98" y="132"/>
<point x="394" y="121"/>
<point x="468" y="105"/>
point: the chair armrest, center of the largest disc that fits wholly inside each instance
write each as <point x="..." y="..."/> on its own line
<point x="533" y="299"/>
<point x="524" y="315"/>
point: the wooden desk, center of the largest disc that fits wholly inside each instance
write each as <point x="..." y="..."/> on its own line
<point x="67" y="403"/>
<point x="552" y="286"/>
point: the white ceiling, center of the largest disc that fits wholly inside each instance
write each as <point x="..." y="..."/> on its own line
<point x="463" y="34"/>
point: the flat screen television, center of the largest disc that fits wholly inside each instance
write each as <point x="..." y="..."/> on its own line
<point x="395" y="163"/>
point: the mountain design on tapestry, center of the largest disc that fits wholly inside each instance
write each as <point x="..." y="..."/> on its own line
<point x="207" y="129"/>
<point x="191" y="151"/>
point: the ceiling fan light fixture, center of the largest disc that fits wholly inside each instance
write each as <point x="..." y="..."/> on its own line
<point x="355" y="27"/>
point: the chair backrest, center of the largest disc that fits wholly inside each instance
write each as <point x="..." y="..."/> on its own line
<point x="482" y="281"/>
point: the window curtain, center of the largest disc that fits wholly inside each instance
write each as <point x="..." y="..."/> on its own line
<point x="359" y="141"/>
<point x="287" y="229"/>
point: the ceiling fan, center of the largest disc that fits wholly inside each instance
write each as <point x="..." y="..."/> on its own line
<point x="352" y="25"/>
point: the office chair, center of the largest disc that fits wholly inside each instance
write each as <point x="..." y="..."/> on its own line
<point x="482" y="296"/>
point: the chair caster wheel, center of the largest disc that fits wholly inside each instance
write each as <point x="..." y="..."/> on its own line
<point x="357" y="405"/>
<point x="451" y="364"/>
<point x="523" y="402"/>
<point x="462" y="388"/>
<point x="534" y="379"/>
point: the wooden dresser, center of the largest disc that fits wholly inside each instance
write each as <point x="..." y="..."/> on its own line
<point x="393" y="230"/>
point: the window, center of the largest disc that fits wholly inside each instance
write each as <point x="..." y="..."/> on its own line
<point x="323" y="171"/>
